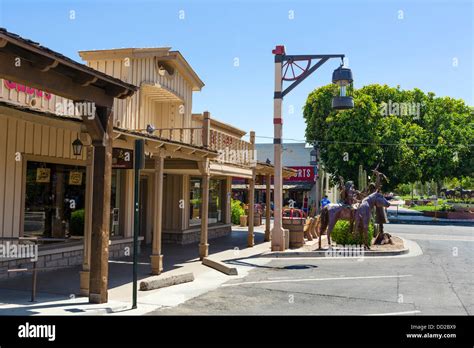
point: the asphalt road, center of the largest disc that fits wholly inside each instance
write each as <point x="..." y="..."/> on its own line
<point x="438" y="282"/>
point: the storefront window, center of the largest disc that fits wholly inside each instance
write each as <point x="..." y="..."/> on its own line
<point x="54" y="200"/>
<point x="116" y="203"/>
<point x="195" y="202"/>
<point x="215" y="201"/>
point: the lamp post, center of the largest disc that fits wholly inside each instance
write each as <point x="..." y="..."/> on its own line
<point x="294" y="69"/>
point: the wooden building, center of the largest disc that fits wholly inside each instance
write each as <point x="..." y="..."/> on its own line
<point x="57" y="196"/>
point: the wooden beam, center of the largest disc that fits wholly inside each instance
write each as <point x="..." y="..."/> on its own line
<point x="94" y="128"/>
<point x="85" y="80"/>
<point x="268" y="193"/>
<point x="250" y="235"/>
<point x="46" y="65"/>
<point x="102" y="174"/>
<point x="50" y="81"/>
<point x="157" y="257"/>
<point x="203" y="245"/>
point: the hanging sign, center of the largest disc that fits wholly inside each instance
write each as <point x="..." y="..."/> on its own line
<point x="75" y="178"/>
<point x="122" y="158"/>
<point x="43" y="175"/>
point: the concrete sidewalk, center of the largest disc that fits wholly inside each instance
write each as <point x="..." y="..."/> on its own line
<point x="57" y="290"/>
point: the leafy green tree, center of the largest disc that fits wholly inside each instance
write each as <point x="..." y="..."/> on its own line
<point x="411" y="135"/>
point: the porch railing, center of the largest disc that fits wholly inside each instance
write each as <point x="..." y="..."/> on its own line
<point x="192" y="135"/>
<point x="232" y="149"/>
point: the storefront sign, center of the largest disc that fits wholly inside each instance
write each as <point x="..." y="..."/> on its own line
<point x="43" y="175"/>
<point x="25" y="89"/>
<point x="75" y="178"/>
<point x="122" y="158"/>
<point x="302" y="174"/>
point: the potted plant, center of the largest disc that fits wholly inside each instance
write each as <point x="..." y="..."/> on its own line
<point x="76" y="226"/>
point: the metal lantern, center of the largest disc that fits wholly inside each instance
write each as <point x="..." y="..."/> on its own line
<point x="77" y="147"/>
<point x="342" y="77"/>
<point x="313" y="157"/>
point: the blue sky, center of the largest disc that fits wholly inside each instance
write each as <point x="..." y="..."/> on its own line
<point x="417" y="50"/>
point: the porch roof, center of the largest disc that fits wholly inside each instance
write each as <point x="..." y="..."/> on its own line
<point x="60" y="75"/>
<point x="269" y="169"/>
<point x="157" y="92"/>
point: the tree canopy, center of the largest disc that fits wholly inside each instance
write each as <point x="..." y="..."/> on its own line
<point x="409" y="134"/>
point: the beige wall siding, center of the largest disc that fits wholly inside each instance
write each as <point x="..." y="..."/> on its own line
<point x="18" y="140"/>
<point x="141" y="109"/>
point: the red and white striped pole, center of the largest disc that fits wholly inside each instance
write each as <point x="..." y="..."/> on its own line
<point x="278" y="233"/>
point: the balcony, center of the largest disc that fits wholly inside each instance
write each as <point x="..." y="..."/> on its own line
<point x="232" y="149"/>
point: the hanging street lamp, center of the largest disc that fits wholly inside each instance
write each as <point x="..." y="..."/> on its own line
<point x="294" y="69"/>
<point x="343" y="78"/>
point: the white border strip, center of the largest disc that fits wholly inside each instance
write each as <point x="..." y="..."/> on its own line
<point x="316" y="279"/>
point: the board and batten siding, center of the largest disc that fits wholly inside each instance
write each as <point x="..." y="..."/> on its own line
<point x="21" y="139"/>
<point x="141" y="109"/>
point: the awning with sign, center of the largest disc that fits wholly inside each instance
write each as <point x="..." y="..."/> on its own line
<point x="303" y="186"/>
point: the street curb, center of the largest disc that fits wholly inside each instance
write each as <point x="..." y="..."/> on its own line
<point x="219" y="266"/>
<point x="158" y="282"/>
<point x="431" y="222"/>
<point x="322" y="253"/>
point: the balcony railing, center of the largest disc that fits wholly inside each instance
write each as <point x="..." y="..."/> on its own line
<point x="231" y="149"/>
<point x="192" y="136"/>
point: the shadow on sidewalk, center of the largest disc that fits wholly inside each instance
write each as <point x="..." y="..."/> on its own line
<point x="63" y="284"/>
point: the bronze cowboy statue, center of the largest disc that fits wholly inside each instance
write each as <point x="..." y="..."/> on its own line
<point x="345" y="210"/>
<point x="350" y="206"/>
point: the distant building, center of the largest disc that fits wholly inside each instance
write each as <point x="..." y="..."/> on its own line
<point x="297" y="156"/>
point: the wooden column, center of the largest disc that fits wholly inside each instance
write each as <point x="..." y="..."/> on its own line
<point x="228" y="196"/>
<point x="99" y="270"/>
<point x="204" y="167"/>
<point x="268" y="181"/>
<point x="203" y="245"/>
<point x="250" y="236"/>
<point x="84" y="275"/>
<point x="156" y="256"/>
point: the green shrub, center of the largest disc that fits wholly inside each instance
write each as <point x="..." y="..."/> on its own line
<point x="341" y="234"/>
<point x="236" y="210"/>
<point x="77" y="223"/>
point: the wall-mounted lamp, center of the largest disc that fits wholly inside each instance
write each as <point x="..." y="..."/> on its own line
<point x="77" y="147"/>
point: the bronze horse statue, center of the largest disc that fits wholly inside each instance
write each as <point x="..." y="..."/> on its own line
<point x="333" y="212"/>
<point x="363" y="213"/>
